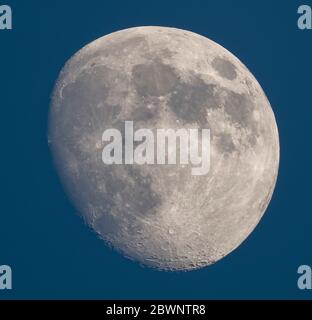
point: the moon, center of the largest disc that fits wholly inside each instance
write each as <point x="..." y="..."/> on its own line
<point x="162" y="216"/>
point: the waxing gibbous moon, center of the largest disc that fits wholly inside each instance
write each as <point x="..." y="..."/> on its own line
<point x="161" y="215"/>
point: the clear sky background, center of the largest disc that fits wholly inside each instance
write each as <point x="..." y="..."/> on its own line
<point x="52" y="253"/>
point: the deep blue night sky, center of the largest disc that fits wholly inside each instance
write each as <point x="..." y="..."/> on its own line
<point x="52" y="253"/>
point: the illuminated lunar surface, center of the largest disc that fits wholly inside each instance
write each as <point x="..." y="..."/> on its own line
<point x="161" y="215"/>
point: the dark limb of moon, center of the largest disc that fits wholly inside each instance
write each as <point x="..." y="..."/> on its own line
<point x="161" y="215"/>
